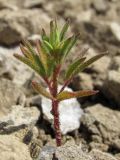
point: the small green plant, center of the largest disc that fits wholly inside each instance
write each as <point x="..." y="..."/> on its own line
<point x="47" y="60"/>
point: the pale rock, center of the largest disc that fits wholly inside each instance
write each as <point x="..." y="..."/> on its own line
<point x="70" y="113"/>
<point x="98" y="120"/>
<point x="11" y="4"/>
<point x="99" y="146"/>
<point x="12" y="149"/>
<point x="115" y="28"/>
<point x="101" y="6"/>
<point x="17" y="25"/>
<point x="19" y="117"/>
<point x="98" y="155"/>
<point x="9" y="65"/>
<point x="117" y="156"/>
<point x="84" y="16"/>
<point x="10" y="94"/>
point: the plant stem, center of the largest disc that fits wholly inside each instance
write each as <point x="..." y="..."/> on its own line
<point x="55" y="111"/>
<point x="55" y="106"/>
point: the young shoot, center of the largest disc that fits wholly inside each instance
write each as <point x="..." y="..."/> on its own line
<point x="47" y="60"/>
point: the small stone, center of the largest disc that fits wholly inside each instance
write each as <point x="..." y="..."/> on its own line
<point x="101" y="6"/>
<point x="19" y="117"/>
<point x="99" y="146"/>
<point x="115" y="28"/>
<point x="47" y="153"/>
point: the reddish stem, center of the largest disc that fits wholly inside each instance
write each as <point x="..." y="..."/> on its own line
<point x="65" y="85"/>
<point x="55" y="104"/>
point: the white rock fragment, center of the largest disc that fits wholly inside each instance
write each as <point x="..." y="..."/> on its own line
<point x="70" y="113"/>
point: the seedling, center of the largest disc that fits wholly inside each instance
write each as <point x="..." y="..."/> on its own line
<point x="47" y="60"/>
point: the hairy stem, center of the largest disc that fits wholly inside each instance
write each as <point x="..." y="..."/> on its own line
<point x="55" y="104"/>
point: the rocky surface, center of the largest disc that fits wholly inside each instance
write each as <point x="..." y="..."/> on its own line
<point x="11" y="148"/>
<point x="18" y="118"/>
<point x="97" y="121"/>
<point x="9" y="95"/>
<point x="19" y="24"/>
<point x="23" y="124"/>
<point x="73" y="152"/>
<point x="112" y="85"/>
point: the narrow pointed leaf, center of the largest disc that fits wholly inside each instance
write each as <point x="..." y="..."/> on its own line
<point x="73" y="67"/>
<point x="44" y="36"/>
<point x="26" y="52"/>
<point x="39" y="64"/>
<point x="90" y="61"/>
<point x="48" y="45"/>
<point x="35" y="56"/>
<point x="45" y="48"/>
<point x="29" y="46"/>
<point x="87" y="63"/>
<point x="41" y="90"/>
<point x="51" y="66"/>
<point x="30" y="64"/>
<point x="67" y="95"/>
<point x="42" y="54"/>
<point x="64" y="30"/>
<point x="52" y="32"/>
<point x="68" y="44"/>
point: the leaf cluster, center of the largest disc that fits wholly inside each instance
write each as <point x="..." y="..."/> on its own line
<point x="51" y="51"/>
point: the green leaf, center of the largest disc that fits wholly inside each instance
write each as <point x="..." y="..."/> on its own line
<point x="42" y="55"/>
<point x="41" y="90"/>
<point x="64" y="30"/>
<point x="52" y="33"/>
<point x="67" y="95"/>
<point x="73" y="67"/>
<point x="48" y="46"/>
<point x="45" y="48"/>
<point x="51" y="66"/>
<point x="88" y="62"/>
<point x="67" y="46"/>
<point x="31" y="64"/>
<point x="35" y="57"/>
<point x="39" y="64"/>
